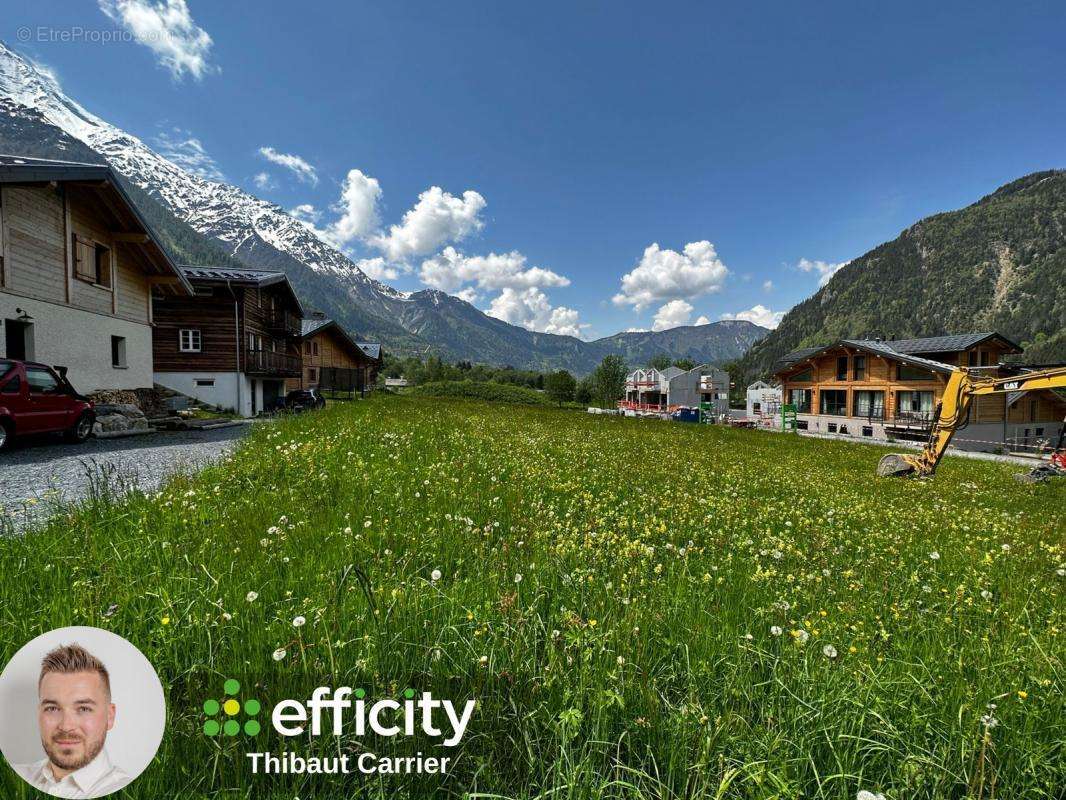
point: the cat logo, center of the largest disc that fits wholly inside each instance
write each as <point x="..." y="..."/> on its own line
<point x="1012" y="385"/>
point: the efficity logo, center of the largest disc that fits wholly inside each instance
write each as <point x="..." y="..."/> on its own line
<point x="337" y="712"/>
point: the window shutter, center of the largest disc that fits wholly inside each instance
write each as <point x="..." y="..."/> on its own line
<point x="84" y="258"/>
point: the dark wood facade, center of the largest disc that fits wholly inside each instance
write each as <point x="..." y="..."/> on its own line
<point x="248" y="324"/>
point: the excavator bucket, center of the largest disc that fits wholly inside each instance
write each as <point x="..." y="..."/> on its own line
<point x="894" y="466"/>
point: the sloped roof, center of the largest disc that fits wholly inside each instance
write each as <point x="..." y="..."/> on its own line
<point x="947" y="344"/>
<point x="671" y="372"/>
<point x="885" y="348"/>
<point x="255" y="277"/>
<point x="17" y="169"/>
<point x="372" y="349"/>
<point x="902" y="349"/>
<point x="309" y="325"/>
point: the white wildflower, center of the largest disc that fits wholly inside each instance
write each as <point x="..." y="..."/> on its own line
<point x="775" y="630"/>
<point x="299" y="622"/>
<point x="251" y="597"/>
<point x="279" y="654"/>
<point x="435" y="575"/>
<point x="829" y="651"/>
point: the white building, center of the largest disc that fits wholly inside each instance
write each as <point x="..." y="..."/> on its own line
<point x="762" y="398"/>
<point x="653" y="389"/>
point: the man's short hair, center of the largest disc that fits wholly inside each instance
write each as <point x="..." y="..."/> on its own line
<point x="72" y="658"/>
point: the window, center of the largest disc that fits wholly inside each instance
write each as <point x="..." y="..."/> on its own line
<point x="867" y="430"/>
<point x="986" y="358"/>
<point x="92" y="261"/>
<point x="914" y="405"/>
<point x="801" y="425"/>
<point x="1032" y="411"/>
<point x="832" y="427"/>
<point x="842" y="368"/>
<point x="905" y="372"/>
<point x="859" y="363"/>
<point x="802" y="377"/>
<point x="307" y="348"/>
<point x="255" y="342"/>
<point x="312" y="374"/>
<point x="13" y="386"/>
<point x="971" y="358"/>
<point x="834" y="401"/>
<point x="189" y="340"/>
<point x="869" y="404"/>
<point x="205" y="381"/>
<point x="801" y="399"/>
<point x="118" y="352"/>
<point x="102" y="258"/>
<point x="314" y="348"/>
<point x="42" y="381"/>
<point x="756" y="407"/>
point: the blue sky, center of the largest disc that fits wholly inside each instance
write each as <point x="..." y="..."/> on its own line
<point x="757" y="145"/>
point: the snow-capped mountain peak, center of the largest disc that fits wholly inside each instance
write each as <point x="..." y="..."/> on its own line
<point x="214" y="209"/>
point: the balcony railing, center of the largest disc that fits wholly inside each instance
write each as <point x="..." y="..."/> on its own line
<point x="267" y="362"/>
<point x="282" y="320"/>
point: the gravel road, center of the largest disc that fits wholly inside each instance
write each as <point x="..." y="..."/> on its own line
<point x="37" y="472"/>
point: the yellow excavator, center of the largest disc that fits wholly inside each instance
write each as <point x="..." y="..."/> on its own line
<point x="953" y="413"/>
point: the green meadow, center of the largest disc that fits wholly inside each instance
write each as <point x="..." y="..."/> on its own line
<point x="639" y="609"/>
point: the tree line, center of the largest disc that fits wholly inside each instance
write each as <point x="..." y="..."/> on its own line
<point x="604" y="386"/>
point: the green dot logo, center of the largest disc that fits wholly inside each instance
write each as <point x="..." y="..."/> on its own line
<point x="223" y="716"/>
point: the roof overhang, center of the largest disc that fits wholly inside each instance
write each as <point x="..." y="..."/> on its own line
<point x="132" y="228"/>
<point x="886" y="352"/>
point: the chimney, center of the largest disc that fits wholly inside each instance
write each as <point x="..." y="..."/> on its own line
<point x="318" y="315"/>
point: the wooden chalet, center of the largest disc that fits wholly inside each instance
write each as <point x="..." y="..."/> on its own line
<point x="332" y="361"/>
<point x="235" y="343"/>
<point x="885" y="389"/>
<point x="81" y="272"/>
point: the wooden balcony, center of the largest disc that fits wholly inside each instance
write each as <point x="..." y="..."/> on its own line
<point x="283" y="321"/>
<point x="270" y="364"/>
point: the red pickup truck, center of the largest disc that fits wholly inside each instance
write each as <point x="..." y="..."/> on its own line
<point x="35" y="398"/>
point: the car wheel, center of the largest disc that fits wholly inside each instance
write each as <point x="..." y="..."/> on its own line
<point x="82" y="429"/>
<point x="6" y="435"/>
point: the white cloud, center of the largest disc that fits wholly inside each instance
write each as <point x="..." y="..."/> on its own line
<point x="377" y="269"/>
<point x="185" y="150"/>
<point x="358" y="209"/>
<point x="305" y="212"/>
<point x="530" y="308"/>
<point x="470" y="294"/>
<point x="263" y="181"/>
<point x="703" y="319"/>
<point x="767" y="286"/>
<point x="167" y="29"/>
<point x="672" y="315"/>
<point x="824" y="269"/>
<point x="436" y="219"/>
<point x="636" y="330"/>
<point x="760" y="315"/>
<point x="670" y="275"/>
<point x="449" y="270"/>
<point x="304" y="172"/>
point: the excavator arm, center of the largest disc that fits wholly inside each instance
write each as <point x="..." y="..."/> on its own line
<point x="953" y="410"/>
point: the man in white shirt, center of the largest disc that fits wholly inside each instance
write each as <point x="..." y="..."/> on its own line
<point x="74" y="715"/>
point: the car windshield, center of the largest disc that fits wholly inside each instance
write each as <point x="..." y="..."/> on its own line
<point x="5" y="367"/>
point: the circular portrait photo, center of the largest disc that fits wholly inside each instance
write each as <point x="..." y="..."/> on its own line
<point x="83" y="712"/>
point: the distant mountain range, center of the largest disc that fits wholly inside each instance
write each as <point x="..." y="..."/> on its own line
<point x="999" y="264"/>
<point x="212" y="223"/>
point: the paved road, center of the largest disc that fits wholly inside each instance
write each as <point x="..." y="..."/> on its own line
<point x="37" y="472"/>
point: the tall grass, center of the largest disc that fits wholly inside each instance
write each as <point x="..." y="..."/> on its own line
<point x="610" y="594"/>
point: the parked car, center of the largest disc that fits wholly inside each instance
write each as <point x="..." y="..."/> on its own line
<point x="303" y="400"/>
<point x="35" y="398"/>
